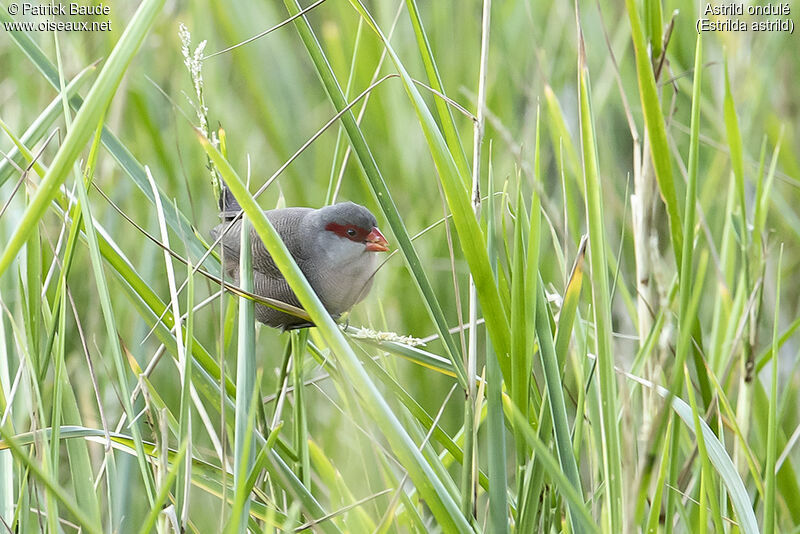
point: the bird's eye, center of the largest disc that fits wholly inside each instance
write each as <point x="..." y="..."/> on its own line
<point x="351" y="232"/>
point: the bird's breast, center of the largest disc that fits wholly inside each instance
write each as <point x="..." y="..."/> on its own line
<point x="342" y="284"/>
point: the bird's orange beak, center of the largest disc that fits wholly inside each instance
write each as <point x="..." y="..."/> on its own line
<point x="376" y="242"/>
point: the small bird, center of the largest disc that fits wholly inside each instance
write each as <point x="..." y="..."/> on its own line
<point x="334" y="246"/>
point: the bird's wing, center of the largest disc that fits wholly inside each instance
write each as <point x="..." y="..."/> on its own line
<point x="287" y="223"/>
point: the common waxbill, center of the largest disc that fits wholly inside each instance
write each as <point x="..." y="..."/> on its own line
<point x="334" y="246"/>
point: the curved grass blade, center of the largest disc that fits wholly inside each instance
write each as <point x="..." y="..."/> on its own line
<point x="719" y="458"/>
<point x="495" y="421"/>
<point x="582" y="520"/>
<point x="204" y="475"/>
<point x="245" y="378"/>
<point x="421" y="415"/>
<point x="430" y="487"/>
<point x="109" y="318"/>
<point x="469" y="232"/>
<point x="378" y="186"/>
<point x="85" y="122"/>
<point x="40" y="125"/>
<point x="770" y="515"/>
<point x="558" y="411"/>
<point x="601" y="301"/>
<point x="656" y="129"/>
<point x="569" y="307"/>
<point x="33" y="466"/>
<point x="435" y="80"/>
<point x="163" y="492"/>
<point x="127" y="162"/>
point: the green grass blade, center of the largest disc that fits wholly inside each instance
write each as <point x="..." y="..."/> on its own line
<point x="653" y="25"/>
<point x="534" y="236"/>
<point x="85" y="121"/>
<point x="723" y="464"/>
<point x="735" y="146"/>
<point x="469" y="232"/>
<point x="443" y="110"/>
<point x="601" y="303"/>
<point x="654" y="122"/>
<point x="133" y="169"/>
<point x="244" y="455"/>
<point x="770" y="515"/>
<point x="379" y="189"/>
<point x="581" y="518"/>
<point x="558" y="410"/>
<point x="163" y="492"/>
<point x="109" y="319"/>
<point x="521" y="356"/>
<point x="687" y="282"/>
<point x="568" y="162"/>
<point x="436" y="496"/>
<point x="185" y="432"/>
<point x="36" y="130"/>
<point x="82" y="476"/>
<point x="569" y="307"/>
<point x="50" y="483"/>
<point x="786" y="482"/>
<point x="654" y="517"/>
<point x="245" y="375"/>
<point x="300" y="416"/>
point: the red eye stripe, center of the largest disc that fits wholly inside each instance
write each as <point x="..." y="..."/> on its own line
<point x="345" y="230"/>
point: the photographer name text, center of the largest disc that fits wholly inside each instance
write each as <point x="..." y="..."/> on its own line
<point x="51" y="10"/>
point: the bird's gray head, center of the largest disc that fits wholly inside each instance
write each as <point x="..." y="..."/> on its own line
<point x="348" y="214"/>
<point x="353" y="227"/>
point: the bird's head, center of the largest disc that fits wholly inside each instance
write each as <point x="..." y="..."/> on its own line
<point x="351" y="229"/>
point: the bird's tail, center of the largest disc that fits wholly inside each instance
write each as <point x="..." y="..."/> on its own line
<point x="229" y="207"/>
